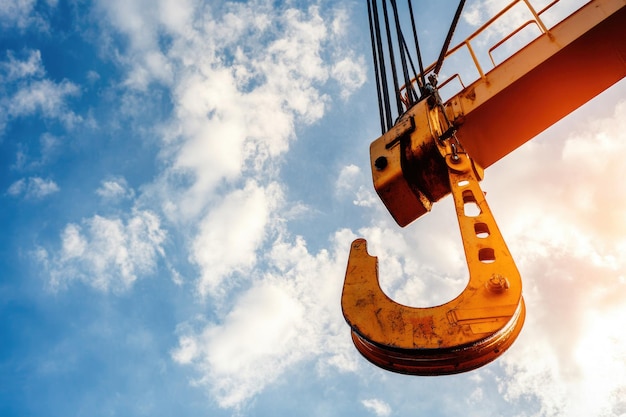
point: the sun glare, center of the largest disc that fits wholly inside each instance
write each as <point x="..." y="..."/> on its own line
<point x="600" y="356"/>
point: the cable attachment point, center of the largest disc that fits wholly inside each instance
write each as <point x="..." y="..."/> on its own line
<point x="432" y="78"/>
<point x="455" y="155"/>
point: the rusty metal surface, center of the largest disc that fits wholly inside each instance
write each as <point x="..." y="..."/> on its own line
<point x="465" y="333"/>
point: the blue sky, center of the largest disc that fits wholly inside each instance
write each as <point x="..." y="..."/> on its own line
<point x="180" y="183"/>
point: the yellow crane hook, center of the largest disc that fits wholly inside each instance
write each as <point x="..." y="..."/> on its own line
<point x="485" y="319"/>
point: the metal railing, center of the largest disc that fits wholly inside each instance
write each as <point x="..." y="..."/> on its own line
<point x="467" y="43"/>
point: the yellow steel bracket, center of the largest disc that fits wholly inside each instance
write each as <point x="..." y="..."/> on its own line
<point x="463" y="334"/>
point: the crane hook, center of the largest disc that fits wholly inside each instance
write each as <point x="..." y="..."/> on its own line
<point x="463" y="334"/>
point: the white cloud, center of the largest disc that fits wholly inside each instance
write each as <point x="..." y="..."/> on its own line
<point x="107" y="253"/>
<point x="26" y="161"/>
<point x="341" y="23"/>
<point x="290" y="315"/>
<point x="377" y="406"/>
<point x="602" y="376"/>
<point x="15" y="69"/>
<point x="230" y="234"/>
<point x="17" y="187"/>
<point x="582" y="378"/>
<point x="365" y="197"/>
<point x="350" y="73"/>
<point x="16" y="13"/>
<point x="351" y="182"/>
<point x="21" y="14"/>
<point x="246" y="112"/>
<point x="33" y="187"/>
<point x="39" y="187"/>
<point x="45" y="96"/>
<point x="473" y="16"/>
<point x="27" y="92"/>
<point x="48" y="144"/>
<point x="348" y="178"/>
<point x="176" y="277"/>
<point x="93" y="76"/>
<point x="114" y="189"/>
<point x="242" y="77"/>
<point x="226" y="354"/>
<point x="175" y="14"/>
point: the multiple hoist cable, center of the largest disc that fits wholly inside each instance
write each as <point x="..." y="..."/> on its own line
<point x="388" y="42"/>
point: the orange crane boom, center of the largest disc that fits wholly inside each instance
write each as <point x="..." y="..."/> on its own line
<point x="551" y="77"/>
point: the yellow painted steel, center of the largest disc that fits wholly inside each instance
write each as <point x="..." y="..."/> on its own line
<point x="478" y="325"/>
<point x="440" y="148"/>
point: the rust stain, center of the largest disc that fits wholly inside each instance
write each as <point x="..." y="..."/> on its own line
<point x="423" y="329"/>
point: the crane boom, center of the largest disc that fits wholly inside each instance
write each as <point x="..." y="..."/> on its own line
<point x="558" y="72"/>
